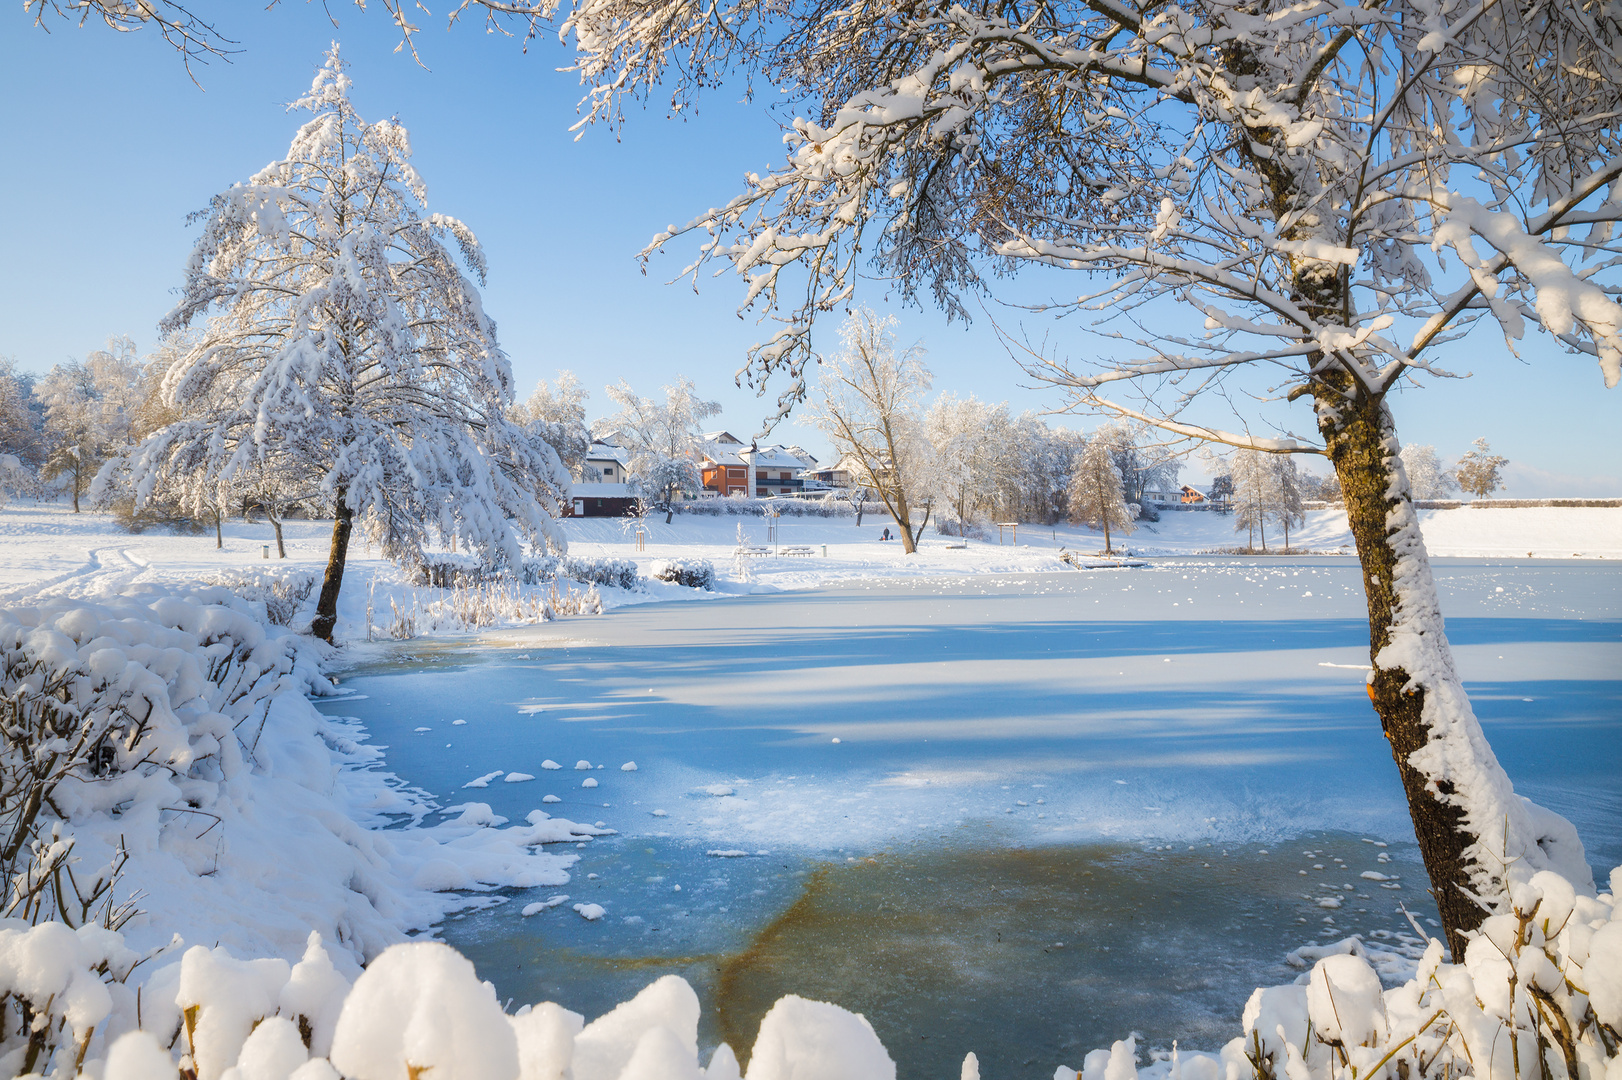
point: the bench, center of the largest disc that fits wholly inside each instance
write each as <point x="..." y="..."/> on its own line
<point x="796" y="551"/>
<point x="753" y="551"/>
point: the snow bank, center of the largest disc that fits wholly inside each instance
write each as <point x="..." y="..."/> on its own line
<point x="1535" y="987"/>
<point x="191" y="776"/>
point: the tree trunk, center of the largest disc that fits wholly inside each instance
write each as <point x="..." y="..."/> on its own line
<point x="276" y="523"/>
<point x="1106" y="534"/>
<point x="219" y="528"/>
<point x="326" y="608"/>
<point x="1361" y="440"/>
<point x="859" y="507"/>
<point x="903" y="521"/>
<point x="1261" y="527"/>
<point x="928" y="506"/>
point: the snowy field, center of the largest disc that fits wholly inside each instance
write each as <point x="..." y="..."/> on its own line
<point x="988" y="799"/>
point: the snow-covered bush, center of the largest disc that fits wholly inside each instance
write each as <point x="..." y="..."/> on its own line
<point x="540" y="569"/>
<point x="732" y="505"/>
<point x="282" y="592"/>
<point x="620" y="573"/>
<point x="694" y="573"/>
<point x="451" y="570"/>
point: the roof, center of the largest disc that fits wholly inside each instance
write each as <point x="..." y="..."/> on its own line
<point x="601" y="451"/>
<point x="726" y="438"/>
<point x="600" y="491"/>
<point x="774" y="457"/>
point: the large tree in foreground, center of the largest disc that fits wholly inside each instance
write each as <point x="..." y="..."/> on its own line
<point x="1332" y="189"/>
<point x="345" y="348"/>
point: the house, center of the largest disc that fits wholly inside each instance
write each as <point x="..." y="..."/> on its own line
<point x="589" y="499"/>
<point x="774" y="470"/>
<point x="723" y="470"/>
<point x="732" y="468"/>
<point x="847" y="472"/>
<point x="608" y="459"/>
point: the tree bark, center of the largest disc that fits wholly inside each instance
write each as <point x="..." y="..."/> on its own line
<point x="219" y="528"/>
<point x="276" y="523"/>
<point x="326" y="608"/>
<point x="1361" y="440"/>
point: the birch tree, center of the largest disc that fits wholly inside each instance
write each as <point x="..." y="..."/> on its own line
<point x="870" y="405"/>
<point x="341" y="342"/>
<point x="1335" y="191"/>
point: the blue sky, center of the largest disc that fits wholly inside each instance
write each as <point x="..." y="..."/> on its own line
<point x="109" y="145"/>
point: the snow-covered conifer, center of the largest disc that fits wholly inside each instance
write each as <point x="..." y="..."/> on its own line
<point x="343" y="342"/>
<point x="1478" y="470"/>
<point x="1096" y="499"/>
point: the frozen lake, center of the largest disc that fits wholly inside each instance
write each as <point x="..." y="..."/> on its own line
<point x="1021" y="815"/>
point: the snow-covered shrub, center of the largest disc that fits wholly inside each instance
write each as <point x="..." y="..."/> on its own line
<point x="694" y="573"/>
<point x="540" y="569"/>
<point x="733" y="505"/>
<point x="450" y="570"/>
<point x="1538" y="997"/>
<point x="417" y="1010"/>
<point x="134" y="701"/>
<point x="620" y="573"/>
<point x="282" y="592"/>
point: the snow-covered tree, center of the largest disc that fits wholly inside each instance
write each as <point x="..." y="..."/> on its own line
<point x="1426" y="477"/>
<point x="665" y="440"/>
<point x="1255" y="494"/>
<point x="870" y="405"/>
<point x="970" y="439"/>
<point x="1096" y="497"/>
<point x="22" y="439"/>
<point x="1292" y="174"/>
<point x="89" y="410"/>
<point x="558" y="417"/>
<point x="1478" y="470"/>
<point x="342" y="342"/>
<point x="1287" y="508"/>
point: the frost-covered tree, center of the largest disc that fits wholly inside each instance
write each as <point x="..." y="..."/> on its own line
<point x="970" y="440"/>
<point x="1426" y="477"/>
<point x="1287" y="509"/>
<point x="343" y="342"/>
<point x="89" y="410"/>
<point x="870" y="404"/>
<point x="1478" y="470"/>
<point x="21" y="436"/>
<point x="1323" y="193"/>
<point x="557" y="416"/>
<point x="1255" y="494"/>
<point x="665" y="440"/>
<point x="1096" y="497"/>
